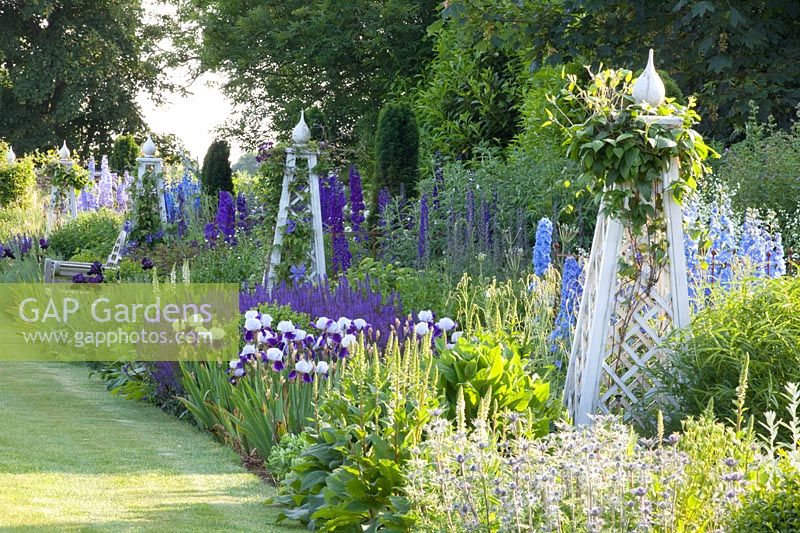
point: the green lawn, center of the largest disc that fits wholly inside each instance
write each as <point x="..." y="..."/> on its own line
<point x="75" y="458"/>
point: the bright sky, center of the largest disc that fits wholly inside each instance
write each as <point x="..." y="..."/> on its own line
<point x="193" y="118"/>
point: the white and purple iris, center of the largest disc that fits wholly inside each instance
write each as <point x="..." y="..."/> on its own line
<point x="314" y="353"/>
<point x="306" y="354"/>
<point x="426" y="324"/>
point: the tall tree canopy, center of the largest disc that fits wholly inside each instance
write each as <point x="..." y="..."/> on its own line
<point x="344" y="58"/>
<point x="726" y="53"/>
<point x="71" y="70"/>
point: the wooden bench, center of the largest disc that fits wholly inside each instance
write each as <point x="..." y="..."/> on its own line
<point x="64" y="271"/>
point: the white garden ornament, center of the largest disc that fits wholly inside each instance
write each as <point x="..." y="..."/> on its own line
<point x="619" y="334"/>
<point x="11" y="156"/>
<point x="149" y="161"/>
<point x="291" y="199"/>
<point x="55" y="193"/>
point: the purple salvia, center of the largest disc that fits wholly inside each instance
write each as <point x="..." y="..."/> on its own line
<point x="359" y="299"/>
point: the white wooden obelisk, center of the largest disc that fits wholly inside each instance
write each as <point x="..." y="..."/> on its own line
<point x="291" y="199"/>
<point x="55" y="193"/>
<point x="607" y="368"/>
<point x="150" y="161"/>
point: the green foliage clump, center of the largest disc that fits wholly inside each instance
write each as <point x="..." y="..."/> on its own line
<point x="397" y="150"/>
<point x="621" y="154"/>
<point x="714" y="450"/>
<point x="91" y="233"/>
<point x="470" y="96"/>
<point x="216" y="172"/>
<point x="762" y="170"/>
<point x="146" y="208"/>
<point x="230" y="264"/>
<point x="286" y="454"/>
<point x="16" y="180"/>
<point x="487" y="370"/>
<point x="416" y="289"/>
<point x="776" y="509"/>
<point x="20" y="218"/>
<point x="759" y="322"/>
<point x="123" y="155"/>
<point x="352" y="474"/>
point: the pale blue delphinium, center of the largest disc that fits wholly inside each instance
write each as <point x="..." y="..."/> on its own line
<point x="541" y="249"/>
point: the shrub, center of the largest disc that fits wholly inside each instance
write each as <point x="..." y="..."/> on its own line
<point x="92" y="233"/>
<point x="397" y="150"/>
<point x="216" y="173"/>
<point x="776" y="509"/>
<point x="415" y="289"/>
<point x="123" y="154"/>
<point x="16" y="181"/>
<point x="759" y="321"/>
<point x="469" y="97"/>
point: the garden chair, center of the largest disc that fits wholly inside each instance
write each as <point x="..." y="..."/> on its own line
<point x="64" y="271"/>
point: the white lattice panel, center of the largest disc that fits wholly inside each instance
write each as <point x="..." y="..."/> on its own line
<point x="303" y="200"/>
<point x="620" y="329"/>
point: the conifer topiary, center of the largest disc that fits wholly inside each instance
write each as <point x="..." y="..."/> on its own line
<point x="397" y="150"/>
<point x="124" y="154"/>
<point x="217" y="174"/>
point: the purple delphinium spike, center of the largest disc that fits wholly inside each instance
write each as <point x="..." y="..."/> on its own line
<point x="384" y="197"/>
<point x="542" y="247"/>
<point x="87" y="200"/>
<point x="422" y="242"/>
<point x="341" y="251"/>
<point x="210" y="234"/>
<point x="690" y="245"/>
<point x="327" y="200"/>
<point x="226" y="217"/>
<point x="357" y="206"/>
<point x="241" y="211"/>
<point x="470" y="206"/>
